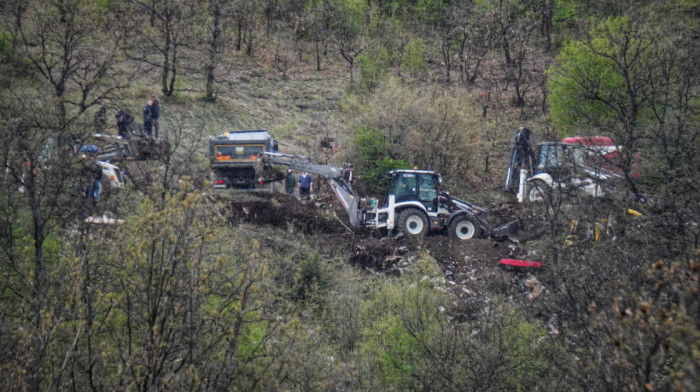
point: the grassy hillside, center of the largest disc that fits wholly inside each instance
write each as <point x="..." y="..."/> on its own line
<point x="198" y="289"/>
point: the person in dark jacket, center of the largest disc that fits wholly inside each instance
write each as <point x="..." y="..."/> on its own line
<point x="96" y="172"/>
<point x="155" y="114"/>
<point x="290" y="182"/>
<point x="348" y="173"/>
<point x="124" y="120"/>
<point x="101" y="119"/>
<point x="147" y="118"/>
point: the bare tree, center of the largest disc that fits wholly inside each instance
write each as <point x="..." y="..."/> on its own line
<point x="449" y="21"/>
<point x="514" y="31"/>
<point x="244" y="15"/>
<point x="56" y="41"/>
<point x="313" y="23"/>
<point x="43" y="124"/>
<point x="546" y="12"/>
<point x="474" y="43"/>
<point x="219" y="15"/>
<point x="349" y="34"/>
<point x="160" y="43"/>
<point x="649" y="79"/>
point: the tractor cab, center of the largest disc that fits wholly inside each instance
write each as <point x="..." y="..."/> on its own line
<point x="422" y="186"/>
<point x="563" y="165"/>
<point x="560" y="160"/>
<point x="558" y="155"/>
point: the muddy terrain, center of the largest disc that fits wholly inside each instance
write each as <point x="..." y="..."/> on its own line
<point x="469" y="267"/>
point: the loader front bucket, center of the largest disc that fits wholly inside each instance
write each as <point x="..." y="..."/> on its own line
<point x="506" y="230"/>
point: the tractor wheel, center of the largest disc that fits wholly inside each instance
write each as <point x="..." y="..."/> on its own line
<point x="413" y="222"/>
<point x="539" y="191"/>
<point x="464" y="228"/>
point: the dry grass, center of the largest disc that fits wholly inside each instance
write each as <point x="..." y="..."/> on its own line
<point x="299" y="105"/>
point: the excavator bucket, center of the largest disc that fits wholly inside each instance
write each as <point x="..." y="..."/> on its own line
<point x="267" y="173"/>
<point x="348" y="198"/>
<point x="148" y="148"/>
<point x="489" y="222"/>
<point x="506" y="230"/>
<point x="113" y="149"/>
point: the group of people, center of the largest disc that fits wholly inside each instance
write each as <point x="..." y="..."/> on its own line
<point x="125" y="126"/>
<point x="151" y="114"/>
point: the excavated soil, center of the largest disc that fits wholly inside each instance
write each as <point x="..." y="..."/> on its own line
<point x="471" y="268"/>
<point x="325" y="223"/>
<point x="282" y="211"/>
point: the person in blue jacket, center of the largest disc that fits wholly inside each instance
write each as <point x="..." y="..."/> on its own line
<point x="306" y="185"/>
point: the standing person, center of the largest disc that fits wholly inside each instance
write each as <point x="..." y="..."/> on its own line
<point x="289" y="182"/>
<point x="306" y="185"/>
<point x="101" y="119"/>
<point x="96" y="172"/>
<point x="155" y="114"/>
<point x="348" y="173"/>
<point x="147" y="118"/>
<point x="123" y="122"/>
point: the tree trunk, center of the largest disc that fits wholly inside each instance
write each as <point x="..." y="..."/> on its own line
<point x="166" y="64"/>
<point x="152" y="19"/>
<point x="249" y="42"/>
<point x="214" y="50"/>
<point x="318" y="56"/>
<point x="546" y="26"/>
<point x="239" y="37"/>
<point x="38" y="290"/>
<point x="446" y="59"/>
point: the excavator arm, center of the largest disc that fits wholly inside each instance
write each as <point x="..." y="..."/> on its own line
<point x="333" y="174"/>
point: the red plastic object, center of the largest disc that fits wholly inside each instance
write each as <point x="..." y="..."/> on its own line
<point x="590" y="140"/>
<point x="521" y="263"/>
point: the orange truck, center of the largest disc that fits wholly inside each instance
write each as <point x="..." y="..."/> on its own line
<point x="233" y="158"/>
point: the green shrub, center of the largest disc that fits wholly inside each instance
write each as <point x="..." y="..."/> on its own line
<point x="373" y="68"/>
<point x="6" y="47"/>
<point x="310" y="278"/>
<point x="413" y="61"/>
<point x="375" y="160"/>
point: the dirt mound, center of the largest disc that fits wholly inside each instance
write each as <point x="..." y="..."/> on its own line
<point x="449" y="251"/>
<point x="282" y="211"/>
<point x="380" y="254"/>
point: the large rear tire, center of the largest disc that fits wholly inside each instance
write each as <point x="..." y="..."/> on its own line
<point x="413" y="222"/>
<point x="462" y="227"/>
<point x="539" y="191"/>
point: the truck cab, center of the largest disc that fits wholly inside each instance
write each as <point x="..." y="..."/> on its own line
<point x="233" y="157"/>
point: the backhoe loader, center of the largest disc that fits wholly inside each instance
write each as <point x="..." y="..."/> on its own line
<point x="414" y="203"/>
